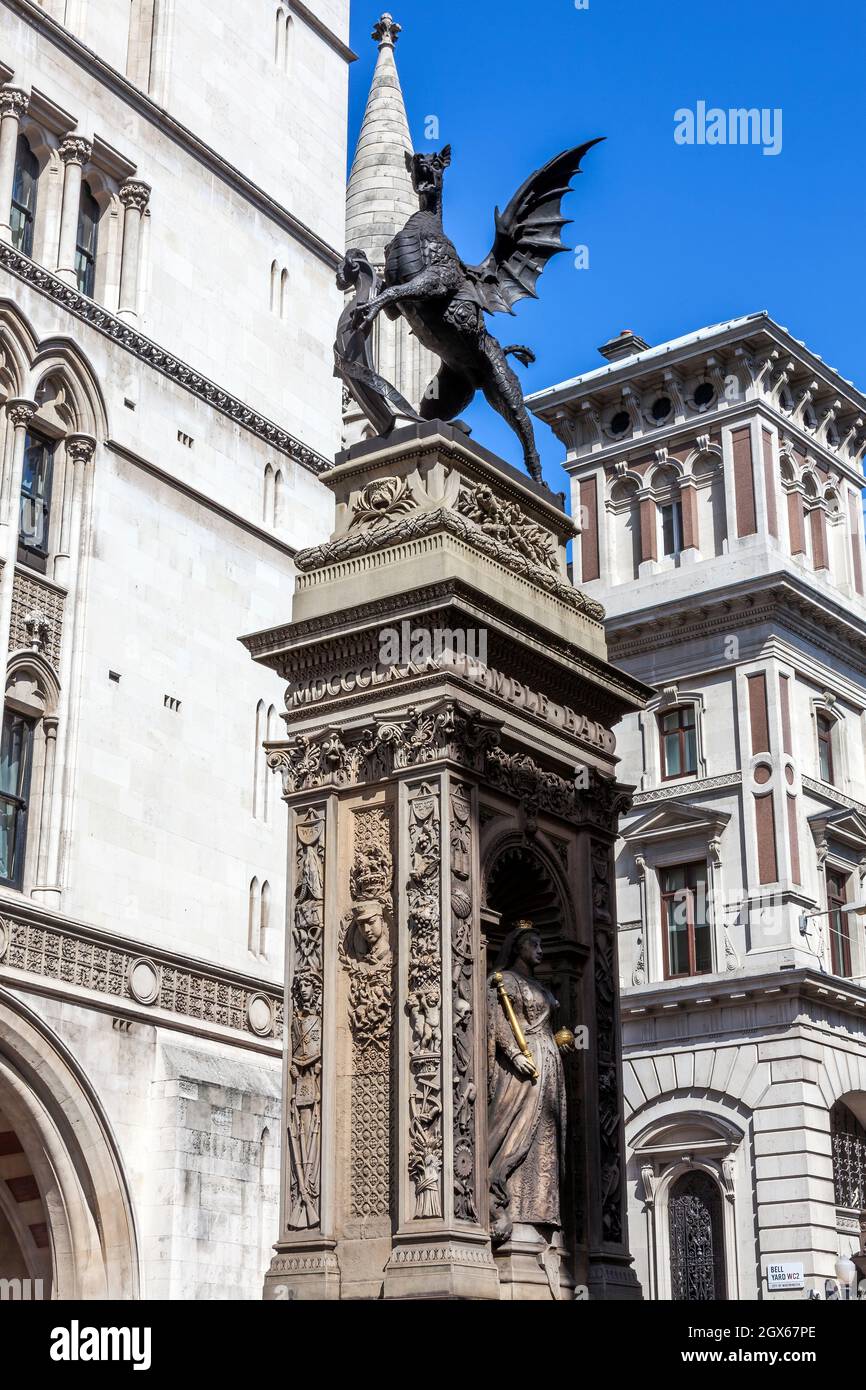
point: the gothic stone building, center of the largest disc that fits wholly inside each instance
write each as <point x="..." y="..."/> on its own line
<point x="172" y="203"/>
<point x="718" y="482"/>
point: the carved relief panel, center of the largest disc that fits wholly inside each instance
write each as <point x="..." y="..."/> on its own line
<point x="366" y="956"/>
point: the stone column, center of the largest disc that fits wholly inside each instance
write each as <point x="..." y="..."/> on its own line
<point x="49" y="727"/>
<point x="79" y="452"/>
<point x="20" y="413"/>
<point x="78" y="449"/>
<point x="134" y="195"/>
<point x="75" y="153"/>
<point x="13" y="105"/>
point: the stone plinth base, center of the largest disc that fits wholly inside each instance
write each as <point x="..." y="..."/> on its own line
<point x="441" y="1270"/>
<point x="306" y="1274"/>
<point x="613" y="1280"/>
<point x="533" y="1267"/>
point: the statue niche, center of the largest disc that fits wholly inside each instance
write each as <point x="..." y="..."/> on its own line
<point x="527" y="1112"/>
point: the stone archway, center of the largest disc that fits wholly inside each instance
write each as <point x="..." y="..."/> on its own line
<point x="697" y="1238"/>
<point x="65" y="1209"/>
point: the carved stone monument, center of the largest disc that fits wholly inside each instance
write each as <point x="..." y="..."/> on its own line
<point x="453" y="1122"/>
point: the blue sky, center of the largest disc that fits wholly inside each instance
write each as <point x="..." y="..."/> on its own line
<point x="678" y="236"/>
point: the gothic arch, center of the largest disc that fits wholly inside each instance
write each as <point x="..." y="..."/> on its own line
<point x="61" y="360"/>
<point x="18" y="347"/>
<point x="31" y="668"/>
<point x="73" y="1157"/>
<point x="540" y="890"/>
<point x="677" y="1133"/>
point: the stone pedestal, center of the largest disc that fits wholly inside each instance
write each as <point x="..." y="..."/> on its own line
<point x="448" y="766"/>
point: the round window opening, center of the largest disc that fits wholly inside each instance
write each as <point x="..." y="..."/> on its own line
<point x="661" y="408"/>
<point x="703" y="395"/>
<point x="620" y="422"/>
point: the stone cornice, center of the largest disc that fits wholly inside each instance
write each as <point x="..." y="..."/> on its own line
<point x="36" y="944"/>
<point x="684" y="791"/>
<point x="685" y="433"/>
<point x="419" y="525"/>
<point x="781" y="596"/>
<point x="120" y="332"/>
<point x="833" y="794"/>
<point x="34" y="15"/>
<point x="345" y="632"/>
<point x="302" y="11"/>
<point x="707" y="991"/>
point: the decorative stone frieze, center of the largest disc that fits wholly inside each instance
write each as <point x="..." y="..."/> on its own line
<point x="109" y="967"/>
<point x="417" y="526"/>
<point x="366" y="957"/>
<point x="37" y="617"/>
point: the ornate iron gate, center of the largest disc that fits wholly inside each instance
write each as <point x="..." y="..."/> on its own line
<point x="697" y="1239"/>
<point x="849" y="1157"/>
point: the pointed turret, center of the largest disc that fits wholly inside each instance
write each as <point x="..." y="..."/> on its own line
<point x="380" y="200"/>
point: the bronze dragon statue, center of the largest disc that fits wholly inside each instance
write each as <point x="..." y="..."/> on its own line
<point x="444" y="300"/>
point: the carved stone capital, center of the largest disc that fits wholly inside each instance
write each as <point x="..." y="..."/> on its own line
<point x="80" y="447"/>
<point x="135" y="194"/>
<point x="21" y="412"/>
<point x="13" y="102"/>
<point x="74" y="149"/>
<point x="386" y="31"/>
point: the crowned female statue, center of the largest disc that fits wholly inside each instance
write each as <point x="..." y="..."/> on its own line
<point x="526" y="1090"/>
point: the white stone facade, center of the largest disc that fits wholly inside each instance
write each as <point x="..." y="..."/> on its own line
<point x="718" y="481"/>
<point x="182" y="398"/>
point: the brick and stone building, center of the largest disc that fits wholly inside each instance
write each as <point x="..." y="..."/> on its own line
<point x="717" y="480"/>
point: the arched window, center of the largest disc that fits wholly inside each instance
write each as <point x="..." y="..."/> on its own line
<point x="24" y="197"/>
<point x="284" y="293"/>
<point x="85" y="244"/>
<point x="253" y="917"/>
<point x="848" y="1138"/>
<point x="258" y="755"/>
<point x="268" y="496"/>
<point x="697" y="1239"/>
<point x="665" y="484"/>
<point x="27" y="773"/>
<point x="264" y="919"/>
<point x="35" y="506"/>
<point x="624" y="530"/>
<point x="16" y="759"/>
<point x="275" y="282"/>
<point x="279" y="497"/>
<point x="270" y="735"/>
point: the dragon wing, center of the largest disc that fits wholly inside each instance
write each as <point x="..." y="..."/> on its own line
<point x="527" y="234"/>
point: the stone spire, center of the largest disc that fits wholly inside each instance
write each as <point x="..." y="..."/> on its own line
<point x="380" y="200"/>
<point x="380" y="197"/>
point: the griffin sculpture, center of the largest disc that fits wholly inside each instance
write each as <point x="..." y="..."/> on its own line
<point x="444" y="300"/>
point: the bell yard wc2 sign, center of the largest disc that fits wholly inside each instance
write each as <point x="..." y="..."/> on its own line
<point x="785" y="1276"/>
